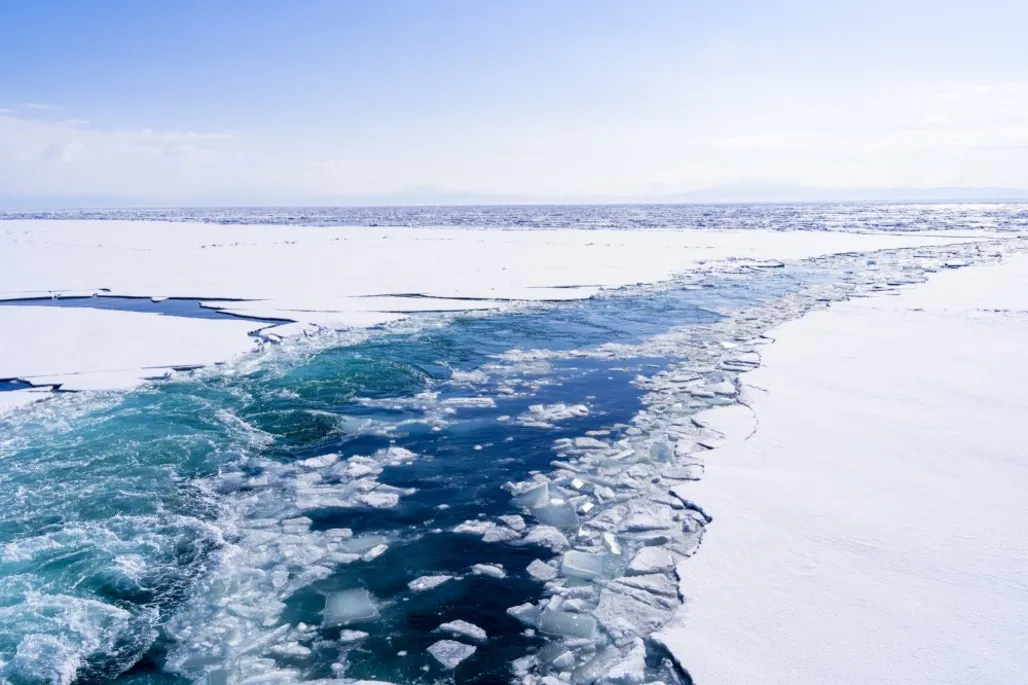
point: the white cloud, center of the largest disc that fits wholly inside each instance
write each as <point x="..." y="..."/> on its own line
<point x="975" y="137"/>
<point x="36" y="106"/>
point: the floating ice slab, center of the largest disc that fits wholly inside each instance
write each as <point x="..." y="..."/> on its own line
<point x="584" y="565"/>
<point x="547" y="536"/>
<point x="631" y="670"/>
<point x="463" y="629"/>
<point x="514" y="522"/>
<point x="498" y="534"/>
<point x="428" y="582"/>
<point x="491" y="570"/>
<point x="535" y="496"/>
<point x="567" y="624"/>
<point x="352" y="636"/>
<point x="349" y="606"/>
<point x="362" y="544"/>
<point x="474" y="527"/>
<point x="450" y="653"/>
<point x="542" y="571"/>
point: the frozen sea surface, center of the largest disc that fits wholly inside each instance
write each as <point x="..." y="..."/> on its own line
<point x="830" y="217"/>
<point x="268" y="521"/>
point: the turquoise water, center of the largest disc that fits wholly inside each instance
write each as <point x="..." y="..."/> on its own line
<point x="131" y="525"/>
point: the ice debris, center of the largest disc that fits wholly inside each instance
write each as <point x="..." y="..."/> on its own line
<point x="450" y="653"/>
<point x="428" y="582"/>
<point x="463" y="629"/>
<point x="348" y="606"/>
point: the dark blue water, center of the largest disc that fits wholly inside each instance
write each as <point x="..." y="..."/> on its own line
<point x="188" y="308"/>
<point x="128" y="532"/>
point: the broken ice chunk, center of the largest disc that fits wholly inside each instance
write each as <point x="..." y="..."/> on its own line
<point x="590" y="671"/>
<point x="535" y="496"/>
<point x="374" y="553"/>
<point x="584" y="565"/>
<point x="651" y="560"/>
<point x="474" y="527"/>
<point x="427" y="582"/>
<point x="450" y="653"/>
<point x="527" y="613"/>
<point x="567" y="625"/>
<point x="547" y="536"/>
<point x="352" y="635"/>
<point x="611" y="543"/>
<point x="348" y="606"/>
<point x="541" y="571"/>
<point x="498" y="534"/>
<point x="463" y="629"/>
<point x="560" y="515"/>
<point x="321" y="462"/>
<point x="489" y="570"/>
<point x="379" y="499"/>
<point x="632" y="669"/>
<point x="362" y="544"/>
<point x="514" y="522"/>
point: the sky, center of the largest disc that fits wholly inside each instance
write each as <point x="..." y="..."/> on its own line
<point x="194" y="102"/>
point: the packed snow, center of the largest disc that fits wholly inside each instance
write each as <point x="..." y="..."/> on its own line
<point x="318" y="278"/>
<point x="871" y="528"/>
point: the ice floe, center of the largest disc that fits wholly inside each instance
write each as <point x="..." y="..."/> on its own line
<point x="450" y="653"/>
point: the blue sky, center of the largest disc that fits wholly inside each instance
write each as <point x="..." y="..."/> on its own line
<point x="274" y="102"/>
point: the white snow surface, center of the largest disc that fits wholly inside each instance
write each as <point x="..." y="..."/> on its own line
<point x="334" y="277"/>
<point x="871" y="530"/>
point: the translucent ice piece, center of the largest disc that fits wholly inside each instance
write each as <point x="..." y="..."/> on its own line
<point x="533" y="497"/>
<point x="584" y="565"/>
<point x="559" y="516"/>
<point x="590" y="671"/>
<point x="567" y="625"/>
<point x="361" y="544"/>
<point x="348" y="606"/>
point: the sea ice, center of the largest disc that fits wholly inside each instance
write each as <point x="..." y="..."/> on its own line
<point x="586" y="566"/>
<point x="536" y="496"/>
<point x="527" y="613"/>
<point x="352" y="635"/>
<point x="374" y="553"/>
<point x="348" y="606"/>
<point x="651" y="560"/>
<point x="546" y="536"/>
<point x="450" y="653"/>
<point x="595" y="668"/>
<point x="491" y="570"/>
<point x="463" y="629"/>
<point x="558" y="515"/>
<point x="514" y="522"/>
<point x="362" y="544"/>
<point x="566" y="624"/>
<point x="474" y="527"/>
<point x="428" y="582"/>
<point x="324" y="461"/>
<point x="631" y="670"/>
<point x="500" y="534"/>
<point x="542" y="571"/>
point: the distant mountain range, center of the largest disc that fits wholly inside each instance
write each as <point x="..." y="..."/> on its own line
<point x="723" y="194"/>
